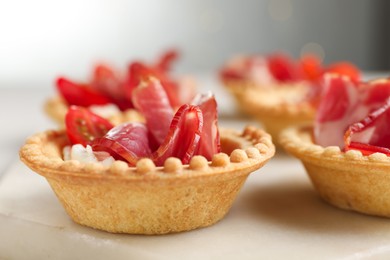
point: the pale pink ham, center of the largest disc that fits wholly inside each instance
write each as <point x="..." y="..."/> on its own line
<point x="183" y="138"/>
<point x="337" y="110"/>
<point x="371" y="134"/>
<point x="209" y="142"/>
<point x="345" y="103"/>
<point x="128" y="141"/>
<point x="152" y="101"/>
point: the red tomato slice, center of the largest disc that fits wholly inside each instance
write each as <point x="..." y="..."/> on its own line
<point x="346" y="69"/>
<point x="183" y="137"/>
<point x="152" y="101"/>
<point x="311" y="67"/>
<point x="80" y="95"/>
<point x="127" y="141"/>
<point x="83" y="126"/>
<point x="209" y="141"/>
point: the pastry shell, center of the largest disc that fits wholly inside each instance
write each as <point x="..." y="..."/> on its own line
<point x="147" y="199"/>
<point x="273" y="106"/>
<point x="56" y="108"/>
<point x="348" y="180"/>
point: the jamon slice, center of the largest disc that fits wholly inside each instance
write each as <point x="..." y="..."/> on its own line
<point x="152" y="101"/>
<point x="128" y="141"/>
<point x="183" y="138"/>
<point x="165" y="62"/>
<point x="337" y="111"/>
<point x="139" y="72"/>
<point x="345" y="103"/>
<point x="209" y="142"/>
<point x="346" y="69"/>
<point x="371" y="134"/>
<point x="108" y="81"/>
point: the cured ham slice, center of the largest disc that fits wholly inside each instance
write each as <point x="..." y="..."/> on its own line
<point x="336" y="111"/>
<point x="108" y="81"/>
<point x="152" y="101"/>
<point x="127" y="141"/>
<point x="165" y="62"/>
<point x="371" y="134"/>
<point x="209" y="142"/>
<point x="346" y="102"/>
<point x="183" y="138"/>
<point x="139" y="72"/>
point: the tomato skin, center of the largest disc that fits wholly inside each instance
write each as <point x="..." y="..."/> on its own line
<point x="83" y="126"/>
<point x="80" y="95"/>
<point x="311" y="67"/>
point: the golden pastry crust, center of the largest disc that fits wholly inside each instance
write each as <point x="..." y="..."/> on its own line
<point x="276" y="107"/>
<point x="147" y="199"/>
<point x="56" y="109"/>
<point x="348" y="180"/>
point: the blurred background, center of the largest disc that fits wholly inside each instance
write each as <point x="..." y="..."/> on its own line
<point x="41" y="39"/>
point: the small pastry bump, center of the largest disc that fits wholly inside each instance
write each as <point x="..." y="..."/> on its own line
<point x="172" y="165"/>
<point x="220" y="160"/>
<point x="119" y="167"/>
<point x="252" y="153"/>
<point x="238" y="155"/>
<point x="145" y="165"/>
<point x="198" y="162"/>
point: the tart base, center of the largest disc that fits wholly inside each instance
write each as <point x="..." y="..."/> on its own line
<point x="348" y="180"/>
<point x="276" y="107"/>
<point x="147" y="199"/>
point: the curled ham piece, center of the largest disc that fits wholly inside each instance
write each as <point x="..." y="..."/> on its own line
<point x="127" y="141"/>
<point x="151" y="100"/>
<point x="209" y="141"/>
<point x="371" y="134"/>
<point x="130" y="141"/>
<point x="183" y="138"/>
<point x="192" y="131"/>
<point x="353" y="115"/>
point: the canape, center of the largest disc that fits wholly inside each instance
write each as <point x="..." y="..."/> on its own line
<point x="346" y="152"/>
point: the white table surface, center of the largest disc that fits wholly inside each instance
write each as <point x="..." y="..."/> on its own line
<point x="277" y="214"/>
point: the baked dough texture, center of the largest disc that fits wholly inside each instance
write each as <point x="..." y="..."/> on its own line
<point x="348" y="180"/>
<point x="147" y="199"/>
<point x="276" y="107"/>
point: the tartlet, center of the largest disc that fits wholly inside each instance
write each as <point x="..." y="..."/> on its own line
<point x="348" y="180"/>
<point x="147" y="199"/>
